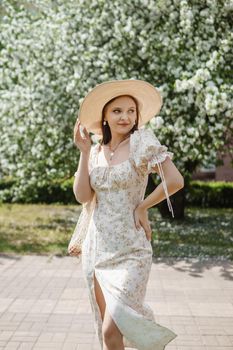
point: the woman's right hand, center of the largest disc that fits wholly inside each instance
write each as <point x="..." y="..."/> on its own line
<point x="141" y="220"/>
<point x="84" y="144"/>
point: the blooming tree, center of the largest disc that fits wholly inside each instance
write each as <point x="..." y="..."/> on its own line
<point x="54" y="52"/>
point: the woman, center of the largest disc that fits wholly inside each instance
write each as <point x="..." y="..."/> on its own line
<point x="117" y="253"/>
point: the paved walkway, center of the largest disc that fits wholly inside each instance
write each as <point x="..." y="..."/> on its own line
<point x="44" y="303"/>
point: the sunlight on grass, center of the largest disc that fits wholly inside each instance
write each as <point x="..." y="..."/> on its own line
<point x="40" y="229"/>
<point x="47" y="229"/>
<point x="203" y="233"/>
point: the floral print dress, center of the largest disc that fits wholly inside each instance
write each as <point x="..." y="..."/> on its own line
<point x="118" y="253"/>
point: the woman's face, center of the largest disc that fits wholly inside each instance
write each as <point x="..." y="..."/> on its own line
<point x="121" y="115"/>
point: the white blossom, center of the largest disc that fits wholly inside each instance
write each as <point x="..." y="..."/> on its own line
<point x="52" y="56"/>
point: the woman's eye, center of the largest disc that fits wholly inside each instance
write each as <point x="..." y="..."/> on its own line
<point x="117" y="110"/>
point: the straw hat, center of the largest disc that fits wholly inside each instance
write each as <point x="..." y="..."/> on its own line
<point x="148" y="97"/>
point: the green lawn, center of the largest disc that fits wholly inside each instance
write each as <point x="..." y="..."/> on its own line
<point x="203" y="233"/>
<point x="46" y="229"/>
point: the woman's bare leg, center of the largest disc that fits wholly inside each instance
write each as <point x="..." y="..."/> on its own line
<point x="112" y="337"/>
<point x="99" y="297"/>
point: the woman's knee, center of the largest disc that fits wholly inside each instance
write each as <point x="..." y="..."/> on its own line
<point x="111" y="334"/>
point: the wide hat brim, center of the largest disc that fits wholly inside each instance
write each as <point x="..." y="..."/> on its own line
<point x="148" y="97"/>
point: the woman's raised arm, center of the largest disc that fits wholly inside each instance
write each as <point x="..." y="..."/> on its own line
<point x="81" y="186"/>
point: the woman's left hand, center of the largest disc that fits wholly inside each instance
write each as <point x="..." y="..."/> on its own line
<point x="141" y="219"/>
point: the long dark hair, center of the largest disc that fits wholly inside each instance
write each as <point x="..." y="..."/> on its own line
<point x="107" y="135"/>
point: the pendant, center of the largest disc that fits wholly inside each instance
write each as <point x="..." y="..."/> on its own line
<point x="111" y="154"/>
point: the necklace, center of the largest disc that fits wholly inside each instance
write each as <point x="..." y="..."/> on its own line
<point x="113" y="151"/>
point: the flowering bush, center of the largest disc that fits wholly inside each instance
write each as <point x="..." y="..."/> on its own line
<point x="54" y="52"/>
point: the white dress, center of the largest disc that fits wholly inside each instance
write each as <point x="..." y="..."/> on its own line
<point x="118" y="253"/>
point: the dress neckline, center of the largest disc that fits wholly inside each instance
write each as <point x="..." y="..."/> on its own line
<point x="118" y="164"/>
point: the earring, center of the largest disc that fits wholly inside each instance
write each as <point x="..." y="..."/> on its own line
<point x="105" y="123"/>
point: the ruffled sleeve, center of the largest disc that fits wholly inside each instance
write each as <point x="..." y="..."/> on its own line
<point x="148" y="152"/>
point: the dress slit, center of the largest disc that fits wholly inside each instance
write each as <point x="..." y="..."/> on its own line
<point x="95" y="308"/>
<point x="129" y="321"/>
<point x="106" y="294"/>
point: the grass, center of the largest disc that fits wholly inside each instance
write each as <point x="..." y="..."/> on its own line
<point x="203" y="233"/>
<point x="47" y="229"/>
<point x="36" y="229"/>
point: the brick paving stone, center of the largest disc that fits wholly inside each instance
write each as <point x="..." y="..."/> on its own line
<point x="85" y="347"/>
<point x="24" y="326"/>
<point x="181" y="347"/>
<point x="210" y="340"/>
<point x="26" y="346"/>
<point x="218" y="348"/>
<point x="44" y="303"/>
<point x="69" y="346"/>
<point x="5" y="303"/>
<point x="230" y="337"/>
<point x="12" y="345"/>
<point x="224" y="341"/>
<point x="48" y="345"/>
<point x="5" y="335"/>
<point x="25" y="336"/>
